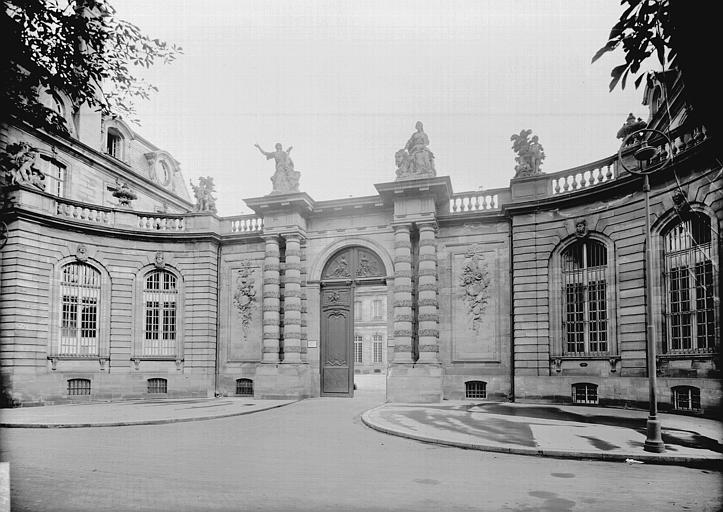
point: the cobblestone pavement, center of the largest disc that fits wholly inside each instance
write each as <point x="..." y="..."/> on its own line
<point x="317" y="455"/>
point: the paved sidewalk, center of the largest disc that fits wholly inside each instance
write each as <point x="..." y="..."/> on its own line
<point x="133" y="412"/>
<point x="553" y="431"/>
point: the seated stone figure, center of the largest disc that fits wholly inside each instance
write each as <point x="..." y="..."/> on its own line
<point x="415" y="160"/>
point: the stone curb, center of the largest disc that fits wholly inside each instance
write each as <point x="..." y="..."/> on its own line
<point x="140" y="422"/>
<point x="697" y="462"/>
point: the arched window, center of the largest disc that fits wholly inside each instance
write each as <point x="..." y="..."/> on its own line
<point x="160" y="314"/>
<point x="585" y="308"/>
<point x="80" y="293"/>
<point x="475" y="389"/>
<point x="691" y="286"/>
<point x="114" y="143"/>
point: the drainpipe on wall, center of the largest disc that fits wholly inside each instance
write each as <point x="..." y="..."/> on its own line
<point x="218" y="318"/>
<point x="512" y="312"/>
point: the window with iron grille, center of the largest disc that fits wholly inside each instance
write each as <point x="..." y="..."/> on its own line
<point x="685" y="398"/>
<point x="157" y="385"/>
<point x="80" y="298"/>
<point x="54" y="176"/>
<point x="584" y="393"/>
<point x="114" y="145"/>
<point x="160" y="297"/>
<point x="378" y="345"/>
<point x="691" y="282"/>
<point x="584" y="295"/>
<point x="78" y="387"/>
<point x="244" y="387"/>
<point x="475" y="389"/>
<point x="358" y="348"/>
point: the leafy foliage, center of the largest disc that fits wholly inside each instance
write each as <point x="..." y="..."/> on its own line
<point x="80" y="48"/>
<point x="644" y="29"/>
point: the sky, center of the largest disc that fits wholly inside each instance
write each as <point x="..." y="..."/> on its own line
<point x="344" y="83"/>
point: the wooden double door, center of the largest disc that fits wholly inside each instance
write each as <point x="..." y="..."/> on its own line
<point x="345" y="270"/>
<point x="337" y="332"/>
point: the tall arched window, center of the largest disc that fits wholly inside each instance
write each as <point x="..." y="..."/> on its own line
<point x="584" y="298"/>
<point x="160" y="314"/>
<point x="691" y="286"/>
<point x="80" y="293"/>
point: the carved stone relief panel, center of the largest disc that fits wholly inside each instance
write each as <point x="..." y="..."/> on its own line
<point x="244" y="342"/>
<point x="476" y="295"/>
<point x="353" y="263"/>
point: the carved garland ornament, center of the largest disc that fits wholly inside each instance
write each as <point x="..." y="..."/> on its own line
<point x="244" y="298"/>
<point x="475" y="281"/>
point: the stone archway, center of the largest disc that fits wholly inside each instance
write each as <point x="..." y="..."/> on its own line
<point x="344" y="270"/>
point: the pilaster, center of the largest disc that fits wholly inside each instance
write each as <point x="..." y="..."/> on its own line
<point x="292" y="299"/>
<point x="271" y="301"/>
<point x="402" y="294"/>
<point x="428" y="311"/>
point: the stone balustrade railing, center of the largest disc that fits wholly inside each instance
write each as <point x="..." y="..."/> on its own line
<point x="584" y="176"/>
<point x="84" y="212"/>
<point x="474" y="201"/>
<point x="244" y="224"/>
<point x="608" y="169"/>
<point x="161" y="223"/>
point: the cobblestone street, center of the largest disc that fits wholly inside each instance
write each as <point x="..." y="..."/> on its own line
<point x="317" y="455"/>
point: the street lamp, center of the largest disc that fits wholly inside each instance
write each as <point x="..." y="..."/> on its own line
<point x="653" y="441"/>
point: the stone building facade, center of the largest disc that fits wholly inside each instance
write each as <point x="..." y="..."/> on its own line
<point x="531" y="292"/>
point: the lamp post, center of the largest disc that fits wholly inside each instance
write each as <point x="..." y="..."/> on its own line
<point x="653" y="441"/>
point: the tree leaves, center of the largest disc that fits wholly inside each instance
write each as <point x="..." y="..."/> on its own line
<point x="643" y="29"/>
<point x="81" y="49"/>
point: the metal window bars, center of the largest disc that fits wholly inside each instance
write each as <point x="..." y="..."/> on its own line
<point x="691" y="289"/>
<point x="475" y="389"/>
<point x="80" y="298"/>
<point x="584" y="292"/>
<point x="160" y="298"/>
<point x="584" y="393"/>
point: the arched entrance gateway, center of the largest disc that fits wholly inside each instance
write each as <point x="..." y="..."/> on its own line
<point x="342" y="348"/>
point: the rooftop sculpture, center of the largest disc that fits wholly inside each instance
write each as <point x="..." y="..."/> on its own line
<point x="631" y="125"/>
<point x="205" y="202"/>
<point x="18" y="166"/>
<point x="415" y="160"/>
<point x="285" y="180"/>
<point x="530" y="154"/>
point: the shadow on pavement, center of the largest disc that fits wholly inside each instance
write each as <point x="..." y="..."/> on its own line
<point x="678" y="437"/>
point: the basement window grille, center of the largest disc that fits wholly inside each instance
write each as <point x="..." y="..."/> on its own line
<point x="686" y="398"/>
<point x="475" y="389"/>
<point x="156" y="386"/>
<point x="584" y="393"/>
<point x="78" y="387"/>
<point x="244" y="387"/>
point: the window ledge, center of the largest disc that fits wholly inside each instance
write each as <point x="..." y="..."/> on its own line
<point x="77" y="357"/>
<point x="157" y="358"/>
<point x="700" y="355"/>
<point x="586" y="358"/>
